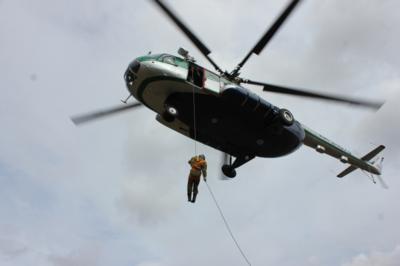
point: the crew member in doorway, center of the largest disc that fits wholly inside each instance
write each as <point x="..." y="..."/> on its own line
<point x="198" y="166"/>
<point x="196" y="75"/>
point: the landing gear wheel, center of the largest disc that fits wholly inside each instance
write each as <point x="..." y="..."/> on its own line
<point x="170" y="113"/>
<point x="228" y="171"/>
<point x="172" y="110"/>
<point x="286" y="117"/>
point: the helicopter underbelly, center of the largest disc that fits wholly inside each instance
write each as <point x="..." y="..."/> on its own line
<point x="237" y="139"/>
<point x="221" y="124"/>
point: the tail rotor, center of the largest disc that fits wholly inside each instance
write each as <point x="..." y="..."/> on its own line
<point x="379" y="164"/>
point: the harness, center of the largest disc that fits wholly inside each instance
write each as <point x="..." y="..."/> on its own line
<point x="198" y="164"/>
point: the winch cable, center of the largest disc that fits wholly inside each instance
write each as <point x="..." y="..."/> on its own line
<point x="194" y="120"/>
<point x="209" y="188"/>
<point x="227" y="225"/>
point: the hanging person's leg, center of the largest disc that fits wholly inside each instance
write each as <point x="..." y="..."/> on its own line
<point x="190" y="187"/>
<point x="195" y="188"/>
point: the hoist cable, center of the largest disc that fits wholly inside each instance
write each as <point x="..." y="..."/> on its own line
<point x="227" y="225"/>
<point x="209" y="189"/>
<point x="194" y="121"/>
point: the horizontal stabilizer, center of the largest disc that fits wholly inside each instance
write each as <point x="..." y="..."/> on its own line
<point x="365" y="158"/>
<point x="347" y="171"/>
<point x="372" y="153"/>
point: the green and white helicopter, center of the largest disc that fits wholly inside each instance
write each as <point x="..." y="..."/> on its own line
<point x="216" y="110"/>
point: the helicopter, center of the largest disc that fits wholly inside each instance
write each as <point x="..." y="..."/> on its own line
<point x="215" y="109"/>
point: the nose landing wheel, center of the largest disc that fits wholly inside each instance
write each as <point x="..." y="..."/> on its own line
<point x="170" y="113"/>
<point x="228" y="171"/>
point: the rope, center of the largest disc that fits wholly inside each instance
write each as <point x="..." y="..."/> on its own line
<point x="194" y="121"/>
<point x="209" y="189"/>
<point x="227" y="226"/>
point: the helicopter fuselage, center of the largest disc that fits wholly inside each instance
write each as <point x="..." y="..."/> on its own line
<point x="211" y="109"/>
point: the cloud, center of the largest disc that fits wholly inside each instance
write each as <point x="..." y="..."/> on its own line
<point x="12" y="248"/>
<point x="150" y="263"/>
<point x="376" y="258"/>
<point x="313" y="261"/>
<point x="89" y="256"/>
<point x="80" y="184"/>
<point x="148" y="200"/>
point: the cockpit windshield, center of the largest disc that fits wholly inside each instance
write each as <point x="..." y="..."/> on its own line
<point x="131" y="72"/>
<point x="165" y="58"/>
<point x="169" y="59"/>
<point x="174" y="60"/>
<point x="149" y="57"/>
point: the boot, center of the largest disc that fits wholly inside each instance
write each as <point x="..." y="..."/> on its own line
<point x="194" y="197"/>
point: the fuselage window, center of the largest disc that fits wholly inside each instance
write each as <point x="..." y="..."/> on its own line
<point x="212" y="76"/>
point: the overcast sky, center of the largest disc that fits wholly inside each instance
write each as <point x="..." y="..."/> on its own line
<point x="113" y="192"/>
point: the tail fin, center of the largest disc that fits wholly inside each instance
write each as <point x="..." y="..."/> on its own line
<point x="379" y="162"/>
<point x="365" y="164"/>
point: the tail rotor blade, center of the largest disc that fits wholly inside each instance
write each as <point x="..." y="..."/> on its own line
<point x="382" y="182"/>
<point x="81" y="119"/>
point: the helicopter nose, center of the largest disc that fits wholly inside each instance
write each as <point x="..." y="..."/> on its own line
<point x="131" y="73"/>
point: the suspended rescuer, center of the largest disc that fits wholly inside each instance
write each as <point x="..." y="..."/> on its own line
<point x="198" y="166"/>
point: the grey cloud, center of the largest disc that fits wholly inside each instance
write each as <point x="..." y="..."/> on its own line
<point x="390" y="258"/>
<point x="150" y="263"/>
<point x="89" y="256"/>
<point x="286" y="211"/>
<point x="149" y="200"/>
<point x="12" y="248"/>
<point x="383" y="126"/>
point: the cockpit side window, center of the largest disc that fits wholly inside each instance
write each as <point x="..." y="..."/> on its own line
<point x="181" y="62"/>
<point x="168" y="59"/>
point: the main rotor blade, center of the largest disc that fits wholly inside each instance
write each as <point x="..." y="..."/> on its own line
<point x="267" y="35"/>
<point x="203" y="49"/>
<point x="309" y="94"/>
<point x="80" y="119"/>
